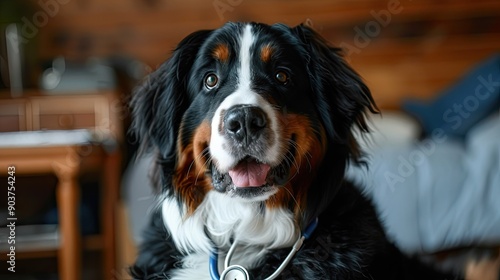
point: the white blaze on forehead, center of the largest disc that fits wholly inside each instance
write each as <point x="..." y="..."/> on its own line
<point x="245" y="73"/>
<point x="244" y="95"/>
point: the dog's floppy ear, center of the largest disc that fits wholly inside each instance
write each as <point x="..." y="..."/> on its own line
<point x="342" y="100"/>
<point x="341" y="96"/>
<point x="158" y="104"/>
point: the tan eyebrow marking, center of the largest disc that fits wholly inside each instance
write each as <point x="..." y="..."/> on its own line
<point x="266" y="53"/>
<point x="221" y="53"/>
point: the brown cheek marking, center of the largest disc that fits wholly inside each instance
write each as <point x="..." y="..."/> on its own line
<point x="190" y="181"/>
<point x="221" y="53"/>
<point x="308" y="156"/>
<point x="266" y="53"/>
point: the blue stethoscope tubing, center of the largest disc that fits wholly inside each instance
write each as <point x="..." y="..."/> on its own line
<point x="213" y="261"/>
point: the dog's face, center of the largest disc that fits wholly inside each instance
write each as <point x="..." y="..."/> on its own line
<point x="254" y="113"/>
<point x="257" y="112"/>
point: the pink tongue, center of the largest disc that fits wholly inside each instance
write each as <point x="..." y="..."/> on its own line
<point x="249" y="174"/>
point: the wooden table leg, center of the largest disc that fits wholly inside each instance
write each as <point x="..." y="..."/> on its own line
<point x="109" y="203"/>
<point x="68" y="201"/>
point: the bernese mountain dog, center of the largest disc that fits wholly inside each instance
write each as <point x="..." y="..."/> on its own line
<point x="252" y="129"/>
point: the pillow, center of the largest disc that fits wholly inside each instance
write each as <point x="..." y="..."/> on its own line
<point x="391" y="128"/>
<point x="462" y="105"/>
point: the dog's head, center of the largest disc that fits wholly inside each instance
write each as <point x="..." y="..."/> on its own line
<point x="261" y="113"/>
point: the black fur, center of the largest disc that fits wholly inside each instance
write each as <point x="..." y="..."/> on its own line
<point x="349" y="242"/>
<point x="159" y="103"/>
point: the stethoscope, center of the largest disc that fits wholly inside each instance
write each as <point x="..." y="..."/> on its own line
<point x="238" y="272"/>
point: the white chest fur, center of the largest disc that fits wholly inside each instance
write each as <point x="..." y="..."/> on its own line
<point x="218" y="221"/>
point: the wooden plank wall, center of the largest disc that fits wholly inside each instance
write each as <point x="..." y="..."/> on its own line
<point x="403" y="48"/>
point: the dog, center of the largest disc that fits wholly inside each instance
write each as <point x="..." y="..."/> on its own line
<point x="252" y="128"/>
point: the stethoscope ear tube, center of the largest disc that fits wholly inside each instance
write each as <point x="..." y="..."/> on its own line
<point x="214" y="270"/>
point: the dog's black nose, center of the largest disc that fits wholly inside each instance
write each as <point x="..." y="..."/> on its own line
<point x="244" y="123"/>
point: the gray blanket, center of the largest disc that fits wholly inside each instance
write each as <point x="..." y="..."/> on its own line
<point x="438" y="194"/>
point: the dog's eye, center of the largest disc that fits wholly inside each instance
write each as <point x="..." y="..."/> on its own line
<point x="211" y="81"/>
<point x="281" y="77"/>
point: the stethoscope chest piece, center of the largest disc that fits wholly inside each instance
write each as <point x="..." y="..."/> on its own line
<point x="235" y="272"/>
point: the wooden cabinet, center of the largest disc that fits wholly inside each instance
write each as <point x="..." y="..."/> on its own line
<point x="97" y="112"/>
<point x="69" y="112"/>
<point x="13" y="115"/>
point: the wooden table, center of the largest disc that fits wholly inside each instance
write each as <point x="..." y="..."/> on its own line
<point x="67" y="159"/>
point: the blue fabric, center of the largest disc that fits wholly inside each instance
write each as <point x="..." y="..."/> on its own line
<point x="464" y="104"/>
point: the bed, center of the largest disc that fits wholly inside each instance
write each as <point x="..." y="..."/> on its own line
<point x="435" y="183"/>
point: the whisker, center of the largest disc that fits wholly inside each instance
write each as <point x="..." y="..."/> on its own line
<point x="205" y="164"/>
<point x="190" y="166"/>
<point x="295" y="201"/>
<point x="197" y="157"/>
<point x="293" y="158"/>
<point x="307" y="154"/>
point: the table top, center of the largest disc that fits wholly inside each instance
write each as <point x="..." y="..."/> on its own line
<point x="45" y="138"/>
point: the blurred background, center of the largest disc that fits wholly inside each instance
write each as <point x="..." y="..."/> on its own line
<point x="427" y="44"/>
<point x="68" y="65"/>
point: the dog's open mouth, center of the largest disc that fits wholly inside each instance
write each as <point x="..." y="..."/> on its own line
<point x="249" y="172"/>
<point x="251" y="177"/>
